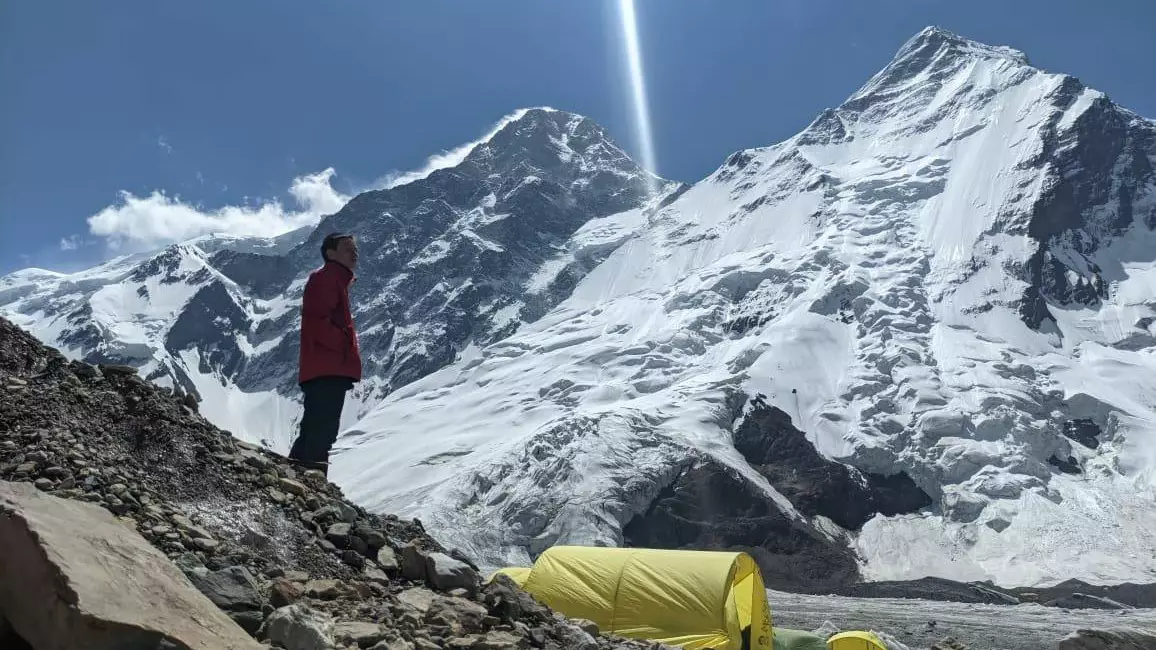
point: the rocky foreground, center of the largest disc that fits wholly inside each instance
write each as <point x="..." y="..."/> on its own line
<point x="280" y="552"/>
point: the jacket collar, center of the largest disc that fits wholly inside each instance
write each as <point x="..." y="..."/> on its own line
<point x="343" y="271"/>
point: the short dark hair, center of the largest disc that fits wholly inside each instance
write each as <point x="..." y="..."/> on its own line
<point x="331" y="241"/>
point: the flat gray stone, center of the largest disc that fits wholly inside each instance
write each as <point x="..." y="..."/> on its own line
<point x="72" y="577"/>
<point x="296" y="627"/>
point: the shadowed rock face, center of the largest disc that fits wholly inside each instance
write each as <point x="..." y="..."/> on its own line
<point x="199" y="327"/>
<point x="1092" y="177"/>
<point x="817" y="486"/>
<point x="443" y="257"/>
<point x="1084" y="431"/>
<point x="709" y="507"/>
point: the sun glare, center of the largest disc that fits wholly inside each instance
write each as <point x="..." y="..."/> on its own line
<point x="629" y="24"/>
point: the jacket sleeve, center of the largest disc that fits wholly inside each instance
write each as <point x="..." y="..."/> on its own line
<point x="317" y="306"/>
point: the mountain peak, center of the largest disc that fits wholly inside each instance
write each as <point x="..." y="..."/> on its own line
<point x="932" y="42"/>
<point x="928" y="60"/>
<point x="538" y="138"/>
<point x="550" y="141"/>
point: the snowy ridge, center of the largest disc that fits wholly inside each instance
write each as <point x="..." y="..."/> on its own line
<point x="447" y="257"/>
<point x="946" y="276"/>
<point x="458" y="154"/>
<point x="132" y="310"/>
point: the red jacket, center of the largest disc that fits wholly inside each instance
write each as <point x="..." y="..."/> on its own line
<point x="328" y="340"/>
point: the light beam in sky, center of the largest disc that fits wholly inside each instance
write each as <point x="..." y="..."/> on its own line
<point x="629" y="24"/>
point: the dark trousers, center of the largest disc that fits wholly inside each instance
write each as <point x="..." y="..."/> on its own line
<point x="324" y="399"/>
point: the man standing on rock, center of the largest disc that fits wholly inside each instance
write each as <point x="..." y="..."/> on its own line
<point x="330" y="360"/>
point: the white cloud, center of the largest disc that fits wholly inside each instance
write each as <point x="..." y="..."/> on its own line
<point x="74" y="242"/>
<point x="147" y="222"/>
<point x="450" y="158"/>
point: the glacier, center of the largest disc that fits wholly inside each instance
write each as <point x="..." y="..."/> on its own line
<point x="948" y="276"/>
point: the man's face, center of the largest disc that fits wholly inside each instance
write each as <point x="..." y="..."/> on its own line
<point x="346" y="253"/>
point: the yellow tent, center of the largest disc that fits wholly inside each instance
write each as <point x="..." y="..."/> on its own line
<point x="856" y="641"/>
<point x="691" y="599"/>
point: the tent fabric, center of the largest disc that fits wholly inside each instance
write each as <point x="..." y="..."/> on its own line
<point x="856" y="641"/>
<point x="691" y="599"/>
<point x="797" y="640"/>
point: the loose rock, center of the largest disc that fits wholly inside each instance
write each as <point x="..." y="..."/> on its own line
<point x="413" y="563"/>
<point x="324" y="589"/>
<point x="363" y="635"/>
<point x="297" y="627"/>
<point x="445" y="573"/>
<point x="292" y="487"/>
<point x="231" y="589"/>
<point x="285" y="592"/>
<point x="387" y="559"/>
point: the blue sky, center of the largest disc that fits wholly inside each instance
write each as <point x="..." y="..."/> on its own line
<point x="221" y="108"/>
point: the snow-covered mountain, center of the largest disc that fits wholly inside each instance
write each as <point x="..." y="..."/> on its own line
<point x="452" y="258"/>
<point x="914" y="339"/>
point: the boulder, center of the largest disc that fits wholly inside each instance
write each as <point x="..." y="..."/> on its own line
<point x="248" y="621"/>
<point x="117" y="369"/>
<point x="587" y="626"/>
<point x="363" y="635"/>
<point x="374" y="539"/>
<point x="73" y="577"/>
<point x="463" y="643"/>
<point x="232" y="589"/>
<point x="419" y="598"/>
<point x="285" y="592"/>
<point x="457" y="612"/>
<point x="572" y="636"/>
<point x="445" y="573"/>
<point x="338" y="534"/>
<point x="509" y="602"/>
<point x="413" y="563"/>
<point x="373" y="574"/>
<point x="292" y="487"/>
<point x="324" y="589"/>
<point x="296" y="627"/>
<point x="498" y="640"/>
<point x="1111" y="639"/>
<point x="387" y="559"/>
<point x="347" y="513"/>
<point x="191" y="565"/>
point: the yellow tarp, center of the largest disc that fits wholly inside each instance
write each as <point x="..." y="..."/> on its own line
<point x="692" y="599"/>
